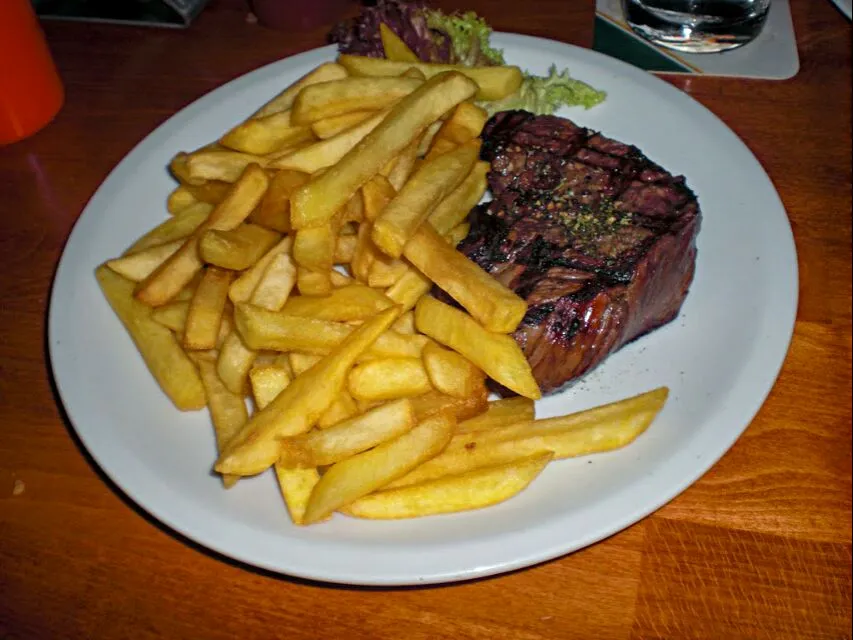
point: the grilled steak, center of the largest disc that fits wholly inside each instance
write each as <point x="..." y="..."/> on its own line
<point x="596" y="237"/>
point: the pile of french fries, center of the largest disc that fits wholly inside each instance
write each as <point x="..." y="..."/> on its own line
<point x="295" y="272"/>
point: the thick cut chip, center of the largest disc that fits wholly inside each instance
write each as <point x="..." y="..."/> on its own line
<point x="299" y="406"/>
<point x="500" y="413"/>
<point x="178" y="227"/>
<point x="274" y="209"/>
<point x="227" y="410"/>
<point x="493" y="83"/>
<point x="496" y="354"/>
<point x="434" y="402"/>
<point x="244" y="286"/>
<point x="227" y="166"/>
<point x="394" y="47"/>
<point x="349" y="95"/>
<point x="180" y="199"/>
<point x="366" y="472"/>
<point x="432" y="182"/>
<point x="206" y="308"/>
<point x="168" y="362"/>
<point x="138" y="266"/>
<point x="351" y="302"/>
<point x="267" y="134"/>
<point x="474" y="489"/>
<point x="456" y="206"/>
<point x="238" y="248"/>
<point x="316" y="202"/>
<point x="326" y="72"/>
<point x="389" y="379"/>
<point x="328" y="127"/>
<point x="450" y="373"/>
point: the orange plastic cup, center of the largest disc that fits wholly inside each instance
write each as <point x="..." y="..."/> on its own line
<point x="31" y="92"/>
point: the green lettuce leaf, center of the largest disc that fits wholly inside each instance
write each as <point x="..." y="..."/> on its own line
<point x="469" y="38"/>
<point x="546" y="94"/>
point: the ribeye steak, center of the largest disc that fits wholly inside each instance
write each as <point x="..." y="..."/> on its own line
<point x="598" y="239"/>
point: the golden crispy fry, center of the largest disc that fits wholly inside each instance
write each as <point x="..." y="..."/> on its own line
<point x="404" y="164"/>
<point x="234" y="363"/>
<point x="324" y="73"/>
<point x="315" y="248"/>
<point x="349" y="95"/>
<point x="317" y="201"/>
<point x="345" y="249"/>
<point x="227" y="166"/>
<point x="243" y="287"/>
<point x="274" y="210"/>
<point x="237" y="248"/>
<point x="464" y="125"/>
<point x="328" y="127"/>
<point x="326" y="153"/>
<point x="364" y="253"/>
<point x="299" y="406"/>
<point x="343" y="408"/>
<point x="172" y="315"/>
<point x="139" y="265"/>
<point x="433" y="402"/>
<point x="206" y="308"/>
<point x="413" y="285"/>
<point x="493" y="83"/>
<point x="388" y="379"/>
<point x="170" y="277"/>
<point x="473" y="489"/>
<point x="209" y="191"/>
<point x="353" y="302"/>
<point x="433" y="181"/>
<point x="376" y="194"/>
<point x="267" y="134"/>
<point x="227" y="410"/>
<point x="345" y="439"/>
<point x="267" y="381"/>
<point x="496" y="354"/>
<point x="394" y="47"/>
<point x="405" y="323"/>
<point x="180" y="199"/>
<point x="440" y="146"/>
<point x="276" y="284"/>
<point x="458" y="203"/>
<point x="262" y="329"/>
<point x="313" y="282"/>
<point x="178" y="227"/>
<point x="366" y="472"/>
<point x="301" y="362"/>
<point x="450" y="373"/>
<point x="169" y="364"/>
<point x="427" y="138"/>
<point x="339" y="279"/>
<point x="495" y="306"/>
<point x="500" y="413"/>
<point x="385" y="271"/>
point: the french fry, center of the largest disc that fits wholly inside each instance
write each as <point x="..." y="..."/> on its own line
<point x="172" y="315"/>
<point x="234" y="363"/>
<point x="301" y="362"/>
<point x="316" y="202"/>
<point x="394" y="47"/>
<point x="315" y="248"/>
<point x="440" y="146"/>
<point x="139" y="265"/>
<point x="385" y="272"/>
<point x="459" y="202"/>
<point x="348" y="438"/>
<point x="474" y="489"/>
<point x="166" y="360"/>
<point x="364" y="254"/>
<point x="267" y="381"/>
<point x="180" y="199"/>
<point x="376" y="194"/>
<point x="353" y="302"/>
<point x="496" y="354"/>
<point x="366" y="472"/>
<point x="242" y="288"/>
<point x="339" y="279"/>
<point x="326" y="153"/>
<point x="403" y="165"/>
<point x="493" y="83"/>
<point x="313" y="282"/>
<point x="464" y="125"/>
<point x="324" y="73"/>
<point x="405" y="323"/>
<point x="500" y="413"/>
<point x="227" y="166"/>
<point x="328" y="127"/>
<point x="343" y="408"/>
<point x="274" y="209"/>
<point x="435" y="179"/>
<point x="495" y="306"/>
<point x="171" y="276"/>
<point x="413" y="285"/>
<point x="209" y="191"/>
<point x="178" y="227"/>
<point x="388" y="379"/>
<point x="267" y="134"/>
<point x="206" y="308"/>
<point x="262" y="329"/>
<point x="345" y="248"/>
<point x="227" y="410"/>
<point x="273" y="291"/>
<point x="434" y="402"/>
<point x="347" y="95"/>
<point x="450" y="373"/>
<point x="297" y="408"/>
<point x="237" y="248"/>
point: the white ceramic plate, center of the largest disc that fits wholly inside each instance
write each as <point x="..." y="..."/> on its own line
<point x="845" y="7"/>
<point x="720" y="357"/>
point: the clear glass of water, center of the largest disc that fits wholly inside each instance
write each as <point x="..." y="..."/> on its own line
<point x="697" y="26"/>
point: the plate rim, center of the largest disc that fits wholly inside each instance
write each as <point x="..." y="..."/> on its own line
<point x="394" y="577"/>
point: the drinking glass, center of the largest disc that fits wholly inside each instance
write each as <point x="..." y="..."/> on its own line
<point x="697" y="26"/>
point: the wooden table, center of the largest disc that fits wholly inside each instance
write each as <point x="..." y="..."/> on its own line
<point x="760" y="547"/>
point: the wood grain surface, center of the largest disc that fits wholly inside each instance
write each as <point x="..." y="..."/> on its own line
<point x="760" y="547"/>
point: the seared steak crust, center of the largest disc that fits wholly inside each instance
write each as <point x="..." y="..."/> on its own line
<point x="596" y="237"/>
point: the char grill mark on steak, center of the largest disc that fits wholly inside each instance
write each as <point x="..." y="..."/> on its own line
<point x="596" y="237"/>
